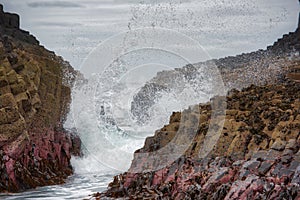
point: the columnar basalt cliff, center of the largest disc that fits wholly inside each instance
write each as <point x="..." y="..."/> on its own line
<point x="260" y="67"/>
<point x="257" y="155"/>
<point x="35" y="150"/>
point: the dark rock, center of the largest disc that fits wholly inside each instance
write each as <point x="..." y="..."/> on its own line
<point x="238" y="163"/>
<point x="221" y="192"/>
<point x="265" y="167"/>
<point x="260" y="155"/>
<point x="276" y="170"/>
<point x="251" y="165"/>
<point x="10" y="26"/>
<point x="12" y="58"/>
<point x="272" y="155"/>
<point x="296" y="177"/>
<point x="243" y="174"/>
<point x="286" y="159"/>
<point x="3" y="82"/>
<point x="286" y="173"/>
<point x="293" y="165"/>
<point x="18" y="68"/>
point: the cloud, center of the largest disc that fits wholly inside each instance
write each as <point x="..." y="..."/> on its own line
<point x="59" y="4"/>
<point x="58" y="24"/>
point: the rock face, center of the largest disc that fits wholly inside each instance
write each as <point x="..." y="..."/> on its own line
<point x="9" y="20"/>
<point x="257" y="155"/>
<point x="260" y="67"/>
<point x="35" y="150"/>
<point x="10" y="25"/>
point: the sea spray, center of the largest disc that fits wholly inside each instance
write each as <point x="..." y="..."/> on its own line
<point x="116" y="71"/>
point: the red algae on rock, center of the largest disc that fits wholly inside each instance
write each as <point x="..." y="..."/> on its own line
<point x="35" y="150"/>
<point x="257" y="155"/>
<point x="262" y="169"/>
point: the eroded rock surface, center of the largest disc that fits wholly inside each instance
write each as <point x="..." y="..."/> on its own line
<point x="35" y="150"/>
<point x="260" y="68"/>
<point x="257" y="155"/>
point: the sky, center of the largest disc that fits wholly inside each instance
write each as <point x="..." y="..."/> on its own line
<point x="73" y="28"/>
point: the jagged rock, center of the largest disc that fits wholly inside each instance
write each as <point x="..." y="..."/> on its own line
<point x="9" y="20"/>
<point x="10" y="26"/>
<point x="260" y="68"/>
<point x="278" y="145"/>
<point x="34" y="100"/>
<point x="264" y="165"/>
<point x="257" y="155"/>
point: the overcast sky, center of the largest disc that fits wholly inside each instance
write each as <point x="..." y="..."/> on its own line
<point x="72" y="28"/>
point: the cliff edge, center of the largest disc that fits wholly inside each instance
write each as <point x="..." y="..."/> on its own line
<point x="260" y="67"/>
<point x="256" y="154"/>
<point x="35" y="150"/>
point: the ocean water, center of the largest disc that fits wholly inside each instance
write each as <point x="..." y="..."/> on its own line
<point x="78" y="186"/>
<point x="110" y="136"/>
<point x="120" y="46"/>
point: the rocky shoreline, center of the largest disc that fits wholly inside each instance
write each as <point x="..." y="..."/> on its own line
<point x="261" y="67"/>
<point x="257" y="155"/>
<point x="35" y="150"/>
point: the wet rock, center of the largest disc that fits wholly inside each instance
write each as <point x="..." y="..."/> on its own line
<point x="256" y="156"/>
<point x="216" y="176"/>
<point x="273" y="155"/>
<point x="260" y="155"/>
<point x="34" y="101"/>
<point x="276" y="170"/>
<point x="269" y="166"/>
